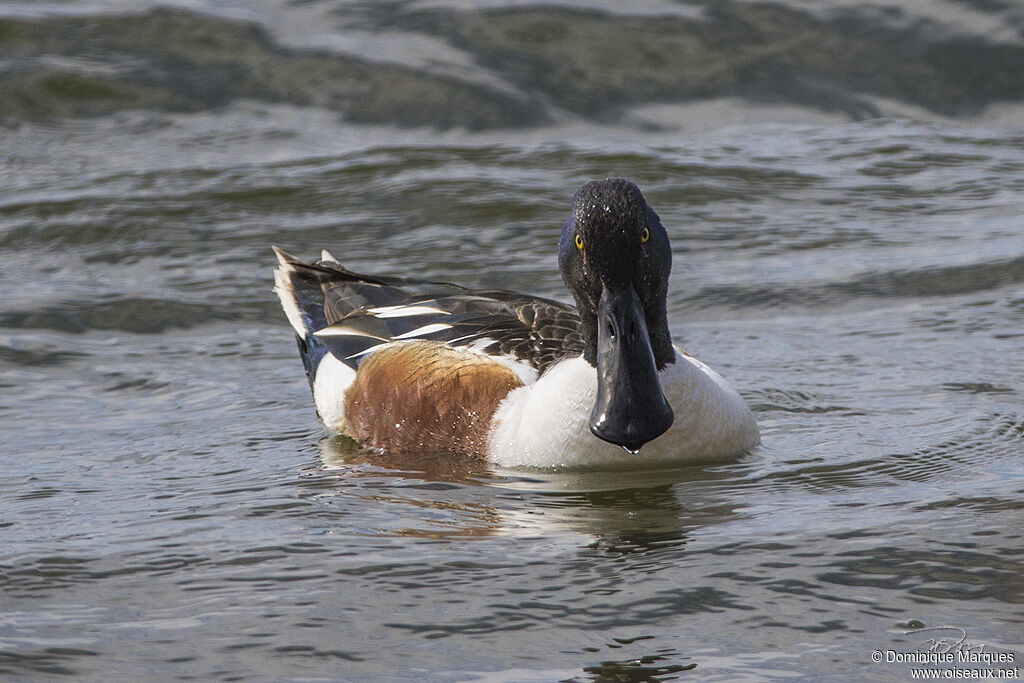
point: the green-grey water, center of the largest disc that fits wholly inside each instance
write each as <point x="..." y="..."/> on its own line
<point x="843" y="185"/>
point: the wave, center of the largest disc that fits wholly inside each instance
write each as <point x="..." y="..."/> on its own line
<point x="973" y="453"/>
<point x="520" y="67"/>
<point x="917" y="283"/>
<point x="132" y="314"/>
<point x="182" y="61"/>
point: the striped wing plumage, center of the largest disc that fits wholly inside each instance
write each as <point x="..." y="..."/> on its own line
<point x="351" y="315"/>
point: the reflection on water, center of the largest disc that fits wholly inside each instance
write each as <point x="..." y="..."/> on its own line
<point x="653" y="667"/>
<point x="339" y="453"/>
<point x="624" y="512"/>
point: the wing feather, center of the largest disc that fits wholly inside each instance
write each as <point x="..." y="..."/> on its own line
<point x="360" y="312"/>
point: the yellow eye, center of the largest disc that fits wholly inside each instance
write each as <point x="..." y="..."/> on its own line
<point x="645" y="235"/>
<point x="579" y="241"/>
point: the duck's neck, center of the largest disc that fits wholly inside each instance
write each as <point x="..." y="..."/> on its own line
<point x="661" y="340"/>
<point x="657" y="329"/>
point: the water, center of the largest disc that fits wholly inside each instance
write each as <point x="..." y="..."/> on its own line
<point x="843" y="185"/>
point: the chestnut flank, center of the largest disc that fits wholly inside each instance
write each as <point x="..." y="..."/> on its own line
<point x="426" y="396"/>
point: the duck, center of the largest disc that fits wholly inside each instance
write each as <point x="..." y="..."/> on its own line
<point x="404" y="365"/>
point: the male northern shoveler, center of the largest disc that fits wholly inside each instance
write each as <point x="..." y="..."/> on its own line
<point x="405" y="365"/>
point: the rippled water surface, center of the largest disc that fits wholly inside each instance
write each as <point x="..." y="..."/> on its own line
<point x="844" y="188"/>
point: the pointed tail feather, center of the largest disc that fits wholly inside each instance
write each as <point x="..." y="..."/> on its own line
<point x="302" y="299"/>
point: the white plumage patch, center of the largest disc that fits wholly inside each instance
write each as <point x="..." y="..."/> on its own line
<point x="426" y="329"/>
<point x="366" y="352"/>
<point x="404" y="311"/>
<point x="546" y="424"/>
<point x="283" y="288"/>
<point x="341" y="330"/>
<point x="332" y="379"/>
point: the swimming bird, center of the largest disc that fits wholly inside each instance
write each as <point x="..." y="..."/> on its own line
<point x="404" y="365"/>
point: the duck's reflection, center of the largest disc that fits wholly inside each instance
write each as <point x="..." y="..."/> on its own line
<point x="339" y="453"/>
<point x="618" y="512"/>
<point x="655" y="667"/>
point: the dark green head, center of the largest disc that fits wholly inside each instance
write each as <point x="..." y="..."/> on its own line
<point x="615" y="258"/>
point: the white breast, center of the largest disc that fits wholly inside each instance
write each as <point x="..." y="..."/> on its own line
<point x="545" y="424"/>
